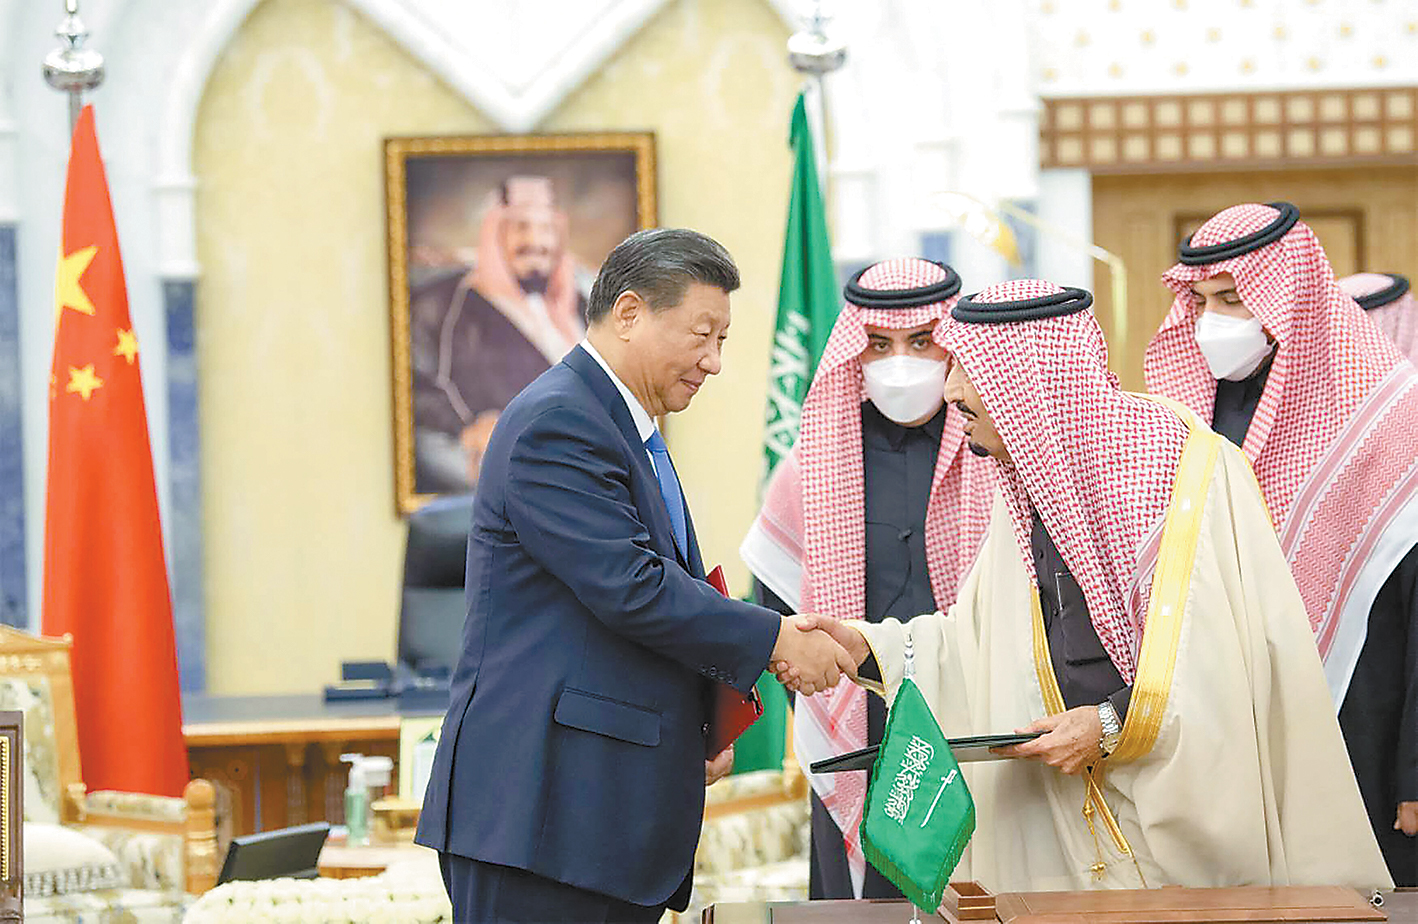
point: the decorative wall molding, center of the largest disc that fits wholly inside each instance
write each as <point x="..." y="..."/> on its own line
<point x="518" y="73"/>
<point x="1231" y="131"/>
<point x="447" y="38"/>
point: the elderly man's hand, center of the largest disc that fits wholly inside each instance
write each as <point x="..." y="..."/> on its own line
<point x="815" y="658"/>
<point x="1072" y="740"/>
<point x="718" y="768"/>
<point x="850" y="639"/>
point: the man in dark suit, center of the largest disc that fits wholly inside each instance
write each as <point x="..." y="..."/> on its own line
<point x="567" y="784"/>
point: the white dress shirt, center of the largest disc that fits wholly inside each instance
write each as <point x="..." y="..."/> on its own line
<point x="644" y="423"/>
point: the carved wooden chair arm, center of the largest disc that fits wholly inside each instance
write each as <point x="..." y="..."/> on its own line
<point x="191" y="817"/>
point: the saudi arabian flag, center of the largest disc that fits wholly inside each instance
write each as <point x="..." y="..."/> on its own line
<point x="919" y="813"/>
<point x="808" y="301"/>
<point x="808" y="297"/>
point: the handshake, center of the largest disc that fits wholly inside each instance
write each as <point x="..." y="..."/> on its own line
<point x="813" y="652"/>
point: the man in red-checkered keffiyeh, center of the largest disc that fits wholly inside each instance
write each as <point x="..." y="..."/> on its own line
<point x="1129" y="567"/>
<point x="1264" y="344"/>
<point x="877" y="512"/>
<point x="1389" y="303"/>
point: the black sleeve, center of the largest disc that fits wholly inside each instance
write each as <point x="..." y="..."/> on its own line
<point x="1406" y="777"/>
<point x="767" y="598"/>
<point x="870" y="669"/>
<point x="1120" y="700"/>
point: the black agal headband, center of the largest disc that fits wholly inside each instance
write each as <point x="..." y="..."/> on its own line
<point x="1396" y="289"/>
<point x="888" y="299"/>
<point x="1214" y="253"/>
<point x="1055" y="305"/>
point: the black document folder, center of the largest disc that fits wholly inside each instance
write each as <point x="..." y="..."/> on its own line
<point x="972" y="748"/>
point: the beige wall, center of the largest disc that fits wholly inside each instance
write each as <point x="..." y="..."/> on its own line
<point x="302" y="548"/>
<point x="711" y="79"/>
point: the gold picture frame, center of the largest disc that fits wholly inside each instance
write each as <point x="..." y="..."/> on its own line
<point x="492" y="242"/>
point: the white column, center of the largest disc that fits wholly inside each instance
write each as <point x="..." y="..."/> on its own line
<point x="1066" y="203"/>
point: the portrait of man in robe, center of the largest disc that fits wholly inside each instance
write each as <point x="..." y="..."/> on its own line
<point x="493" y="243"/>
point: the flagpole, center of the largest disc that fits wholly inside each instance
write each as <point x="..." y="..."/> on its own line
<point x="814" y="55"/>
<point x="72" y="68"/>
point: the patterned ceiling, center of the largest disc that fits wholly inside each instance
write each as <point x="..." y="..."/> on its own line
<point x="1113" y="47"/>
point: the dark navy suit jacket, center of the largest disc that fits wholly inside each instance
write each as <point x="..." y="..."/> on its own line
<point x="575" y="737"/>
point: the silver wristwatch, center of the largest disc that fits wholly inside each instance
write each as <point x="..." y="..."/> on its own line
<point x="1112" y="727"/>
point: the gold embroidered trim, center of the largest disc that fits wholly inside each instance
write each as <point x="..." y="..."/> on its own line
<point x="1170" y="583"/>
<point x="1043" y="666"/>
<point x="1094" y="776"/>
<point x="876" y="686"/>
<point x="1093" y="802"/>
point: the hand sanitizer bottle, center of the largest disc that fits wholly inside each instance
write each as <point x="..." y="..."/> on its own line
<point x="356" y="802"/>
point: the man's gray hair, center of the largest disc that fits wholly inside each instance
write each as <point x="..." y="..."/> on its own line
<point x="658" y="265"/>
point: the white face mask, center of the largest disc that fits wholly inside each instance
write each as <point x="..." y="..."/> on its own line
<point x="905" y="388"/>
<point x="1234" y="347"/>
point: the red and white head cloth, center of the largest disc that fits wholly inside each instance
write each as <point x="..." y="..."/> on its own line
<point x="809" y="542"/>
<point x="1386" y="298"/>
<point x="1095" y="462"/>
<point x="1334" y="438"/>
<point x="528" y="198"/>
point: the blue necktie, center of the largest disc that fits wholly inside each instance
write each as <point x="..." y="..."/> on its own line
<point x="669" y="489"/>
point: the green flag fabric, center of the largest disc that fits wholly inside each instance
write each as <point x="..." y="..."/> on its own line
<point x="807" y="308"/>
<point x="808" y="297"/>
<point x="760" y="747"/>
<point x="919" y="814"/>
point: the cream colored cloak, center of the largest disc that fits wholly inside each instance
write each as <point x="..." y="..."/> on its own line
<point x="1231" y="770"/>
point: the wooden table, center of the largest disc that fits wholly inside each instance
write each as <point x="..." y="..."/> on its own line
<point x="340" y="861"/>
<point x="276" y="759"/>
<point x="1401" y="907"/>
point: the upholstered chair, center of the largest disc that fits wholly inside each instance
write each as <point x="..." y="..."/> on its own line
<point x="92" y="856"/>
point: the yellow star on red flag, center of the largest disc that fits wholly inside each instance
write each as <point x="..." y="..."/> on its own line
<point x="83" y="382"/>
<point x="68" y="292"/>
<point x="105" y="576"/>
<point x="127" y="345"/>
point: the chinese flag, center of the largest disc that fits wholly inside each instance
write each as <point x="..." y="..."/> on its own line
<point x="105" y="579"/>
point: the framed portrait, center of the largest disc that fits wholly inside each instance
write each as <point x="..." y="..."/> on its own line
<point x="494" y="242"/>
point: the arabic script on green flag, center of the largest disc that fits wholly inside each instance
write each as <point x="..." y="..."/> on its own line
<point x="808" y="297"/>
<point x="919" y="814"/>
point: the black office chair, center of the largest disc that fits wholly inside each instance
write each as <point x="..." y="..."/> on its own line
<point x="433" y="608"/>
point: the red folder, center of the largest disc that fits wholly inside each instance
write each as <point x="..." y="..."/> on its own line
<point x="733" y="712"/>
